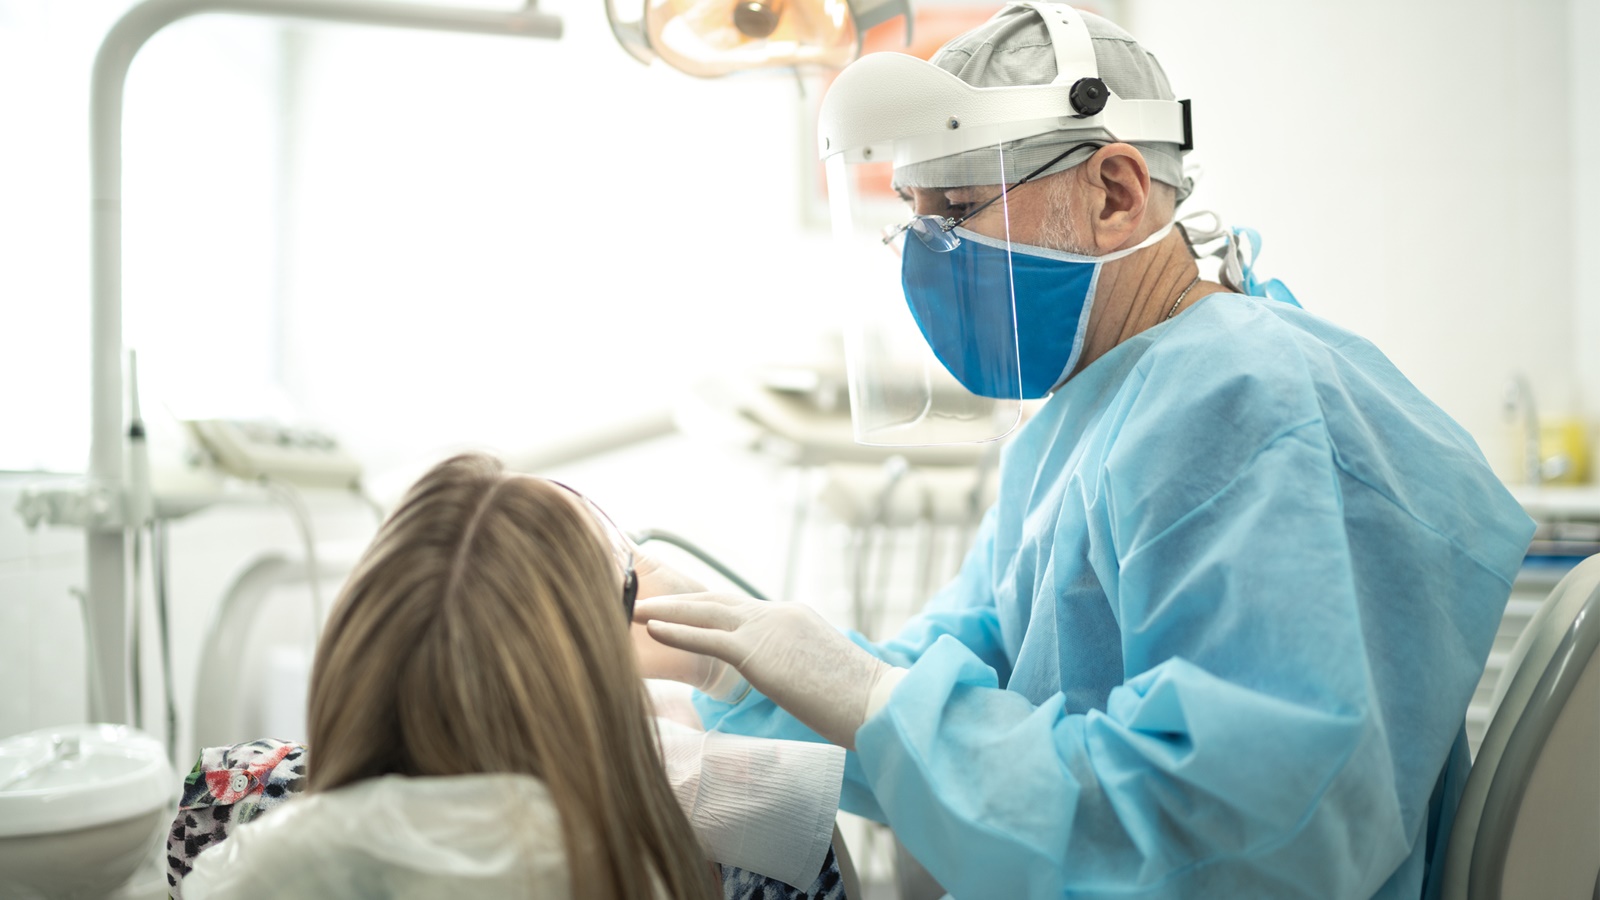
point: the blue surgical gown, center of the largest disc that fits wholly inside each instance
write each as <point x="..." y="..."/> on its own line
<point x="1216" y="638"/>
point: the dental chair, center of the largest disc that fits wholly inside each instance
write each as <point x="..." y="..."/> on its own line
<point x="1529" y="821"/>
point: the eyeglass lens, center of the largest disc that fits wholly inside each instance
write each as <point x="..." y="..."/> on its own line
<point x="937" y="233"/>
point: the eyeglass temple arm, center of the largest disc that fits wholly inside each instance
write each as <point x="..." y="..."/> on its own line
<point x="952" y="224"/>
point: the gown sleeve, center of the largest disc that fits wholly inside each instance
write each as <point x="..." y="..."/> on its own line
<point x="963" y="611"/>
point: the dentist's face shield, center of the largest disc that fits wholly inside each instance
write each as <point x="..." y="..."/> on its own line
<point x="931" y="341"/>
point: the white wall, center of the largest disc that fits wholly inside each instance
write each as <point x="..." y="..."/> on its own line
<point x="201" y="189"/>
<point x="200" y="211"/>
<point x="42" y="679"/>
<point x="1410" y="167"/>
<point x="503" y="241"/>
<point x="1584" y="106"/>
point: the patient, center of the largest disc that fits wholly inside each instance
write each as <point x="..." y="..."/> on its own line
<point x="477" y="722"/>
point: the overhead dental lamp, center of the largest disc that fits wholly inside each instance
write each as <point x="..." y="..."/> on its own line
<point x="711" y="38"/>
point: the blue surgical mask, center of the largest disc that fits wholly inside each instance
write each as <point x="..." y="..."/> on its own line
<point x="1052" y="291"/>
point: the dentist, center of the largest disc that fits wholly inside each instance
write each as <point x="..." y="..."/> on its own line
<point x="1218" y="634"/>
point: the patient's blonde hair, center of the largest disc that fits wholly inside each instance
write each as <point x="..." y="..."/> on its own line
<point x="483" y="631"/>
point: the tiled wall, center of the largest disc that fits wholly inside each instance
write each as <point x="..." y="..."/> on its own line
<point x="41" y="634"/>
<point x="42" y="661"/>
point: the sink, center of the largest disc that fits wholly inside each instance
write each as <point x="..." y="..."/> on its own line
<point x="81" y="806"/>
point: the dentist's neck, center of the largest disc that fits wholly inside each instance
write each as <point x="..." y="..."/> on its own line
<point x="1138" y="291"/>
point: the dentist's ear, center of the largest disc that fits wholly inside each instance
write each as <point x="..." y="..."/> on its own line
<point x="1116" y="180"/>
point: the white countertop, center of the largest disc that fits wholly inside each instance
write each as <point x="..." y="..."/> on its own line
<point x="1559" y="501"/>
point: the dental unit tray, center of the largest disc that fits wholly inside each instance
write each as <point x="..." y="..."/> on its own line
<point x="257" y="449"/>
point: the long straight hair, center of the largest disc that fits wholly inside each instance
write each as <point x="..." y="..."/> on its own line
<point x="483" y="631"/>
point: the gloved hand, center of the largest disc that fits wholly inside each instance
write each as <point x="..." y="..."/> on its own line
<point x="655" y="660"/>
<point x="786" y="650"/>
<point x="657" y="579"/>
<point x="704" y="673"/>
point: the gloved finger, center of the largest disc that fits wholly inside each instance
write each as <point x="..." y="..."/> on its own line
<point x="657" y="660"/>
<point x="699" y="610"/>
<point x="730" y="599"/>
<point x="706" y="641"/>
<point x="657" y="579"/>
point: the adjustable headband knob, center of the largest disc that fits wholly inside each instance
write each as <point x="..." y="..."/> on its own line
<point x="1088" y="96"/>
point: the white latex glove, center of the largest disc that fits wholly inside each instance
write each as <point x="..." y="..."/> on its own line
<point x="656" y="660"/>
<point x="786" y="650"/>
<point x="657" y="579"/>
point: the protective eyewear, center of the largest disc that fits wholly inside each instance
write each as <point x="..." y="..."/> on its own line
<point x="621" y="547"/>
<point x="937" y="232"/>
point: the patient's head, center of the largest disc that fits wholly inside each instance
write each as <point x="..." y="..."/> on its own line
<point x="484" y="631"/>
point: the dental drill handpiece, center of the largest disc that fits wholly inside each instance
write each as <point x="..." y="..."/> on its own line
<point x="136" y="510"/>
<point x="138" y="504"/>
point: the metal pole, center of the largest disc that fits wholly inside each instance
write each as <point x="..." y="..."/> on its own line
<point x="107" y="587"/>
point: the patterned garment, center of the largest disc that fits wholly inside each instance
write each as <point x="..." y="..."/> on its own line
<point x="229" y="786"/>
<point x="738" y="884"/>
<point x="226" y="787"/>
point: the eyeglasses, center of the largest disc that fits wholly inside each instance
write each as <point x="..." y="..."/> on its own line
<point x="621" y="547"/>
<point x="935" y="232"/>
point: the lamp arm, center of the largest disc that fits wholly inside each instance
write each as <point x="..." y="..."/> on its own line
<point x="106" y="606"/>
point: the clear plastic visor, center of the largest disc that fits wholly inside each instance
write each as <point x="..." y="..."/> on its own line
<point x="931" y="335"/>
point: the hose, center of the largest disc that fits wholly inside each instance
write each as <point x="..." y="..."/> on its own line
<point x="694" y="550"/>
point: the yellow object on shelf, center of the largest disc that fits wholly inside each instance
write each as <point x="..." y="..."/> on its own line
<point x="1564" y="450"/>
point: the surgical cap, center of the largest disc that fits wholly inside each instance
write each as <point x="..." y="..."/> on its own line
<point x="1013" y="48"/>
